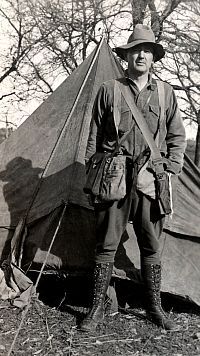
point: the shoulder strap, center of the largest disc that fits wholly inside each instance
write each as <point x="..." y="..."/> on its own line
<point x="161" y="99"/>
<point x="116" y="105"/>
<point x="141" y="122"/>
<point x="117" y="115"/>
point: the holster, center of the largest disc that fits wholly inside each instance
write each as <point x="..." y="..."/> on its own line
<point x="163" y="191"/>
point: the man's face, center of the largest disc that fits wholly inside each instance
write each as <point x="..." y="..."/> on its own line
<point x="140" y="59"/>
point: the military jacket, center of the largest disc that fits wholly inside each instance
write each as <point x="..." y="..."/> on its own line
<point x="171" y="133"/>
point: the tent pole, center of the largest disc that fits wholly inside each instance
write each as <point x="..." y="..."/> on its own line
<point x="73" y="107"/>
<point x="66" y="122"/>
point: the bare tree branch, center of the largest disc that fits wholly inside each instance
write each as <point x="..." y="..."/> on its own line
<point x="6" y="95"/>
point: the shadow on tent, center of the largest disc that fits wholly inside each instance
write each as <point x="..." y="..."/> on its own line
<point x="67" y="276"/>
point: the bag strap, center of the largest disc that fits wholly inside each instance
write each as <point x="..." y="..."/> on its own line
<point x="161" y="100"/>
<point x="142" y="124"/>
<point x="117" y="116"/>
<point x="117" y="105"/>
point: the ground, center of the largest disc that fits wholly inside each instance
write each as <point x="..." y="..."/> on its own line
<point x="49" y="327"/>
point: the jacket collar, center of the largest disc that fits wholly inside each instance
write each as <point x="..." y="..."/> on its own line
<point x="151" y="84"/>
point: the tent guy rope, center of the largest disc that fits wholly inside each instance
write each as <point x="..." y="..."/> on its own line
<point x="33" y="288"/>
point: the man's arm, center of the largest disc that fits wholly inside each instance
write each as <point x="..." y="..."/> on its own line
<point x="175" y="138"/>
<point x="95" y="137"/>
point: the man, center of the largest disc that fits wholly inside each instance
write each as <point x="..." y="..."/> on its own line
<point x="139" y="204"/>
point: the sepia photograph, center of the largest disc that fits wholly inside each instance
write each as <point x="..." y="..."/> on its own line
<point x="100" y="178"/>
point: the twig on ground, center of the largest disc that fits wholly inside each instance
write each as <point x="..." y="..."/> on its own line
<point x="62" y="301"/>
<point x="136" y="353"/>
<point x="50" y="336"/>
<point x="147" y="341"/>
<point x="133" y="313"/>
<point x="24" y="313"/>
<point x="71" y="340"/>
<point x="105" y="341"/>
<point x="53" y="326"/>
<point x="97" y="337"/>
<point x="25" y="341"/>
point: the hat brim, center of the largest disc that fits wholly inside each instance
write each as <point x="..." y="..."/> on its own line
<point x="158" y="49"/>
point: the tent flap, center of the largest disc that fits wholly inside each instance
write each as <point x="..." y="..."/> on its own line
<point x="186" y="216"/>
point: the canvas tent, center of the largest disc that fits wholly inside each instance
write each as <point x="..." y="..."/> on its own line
<point x="42" y="171"/>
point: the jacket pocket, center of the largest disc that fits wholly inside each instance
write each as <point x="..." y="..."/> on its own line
<point x="154" y="110"/>
<point x="153" y="118"/>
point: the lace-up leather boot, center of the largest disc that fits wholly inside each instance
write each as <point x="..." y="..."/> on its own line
<point x="152" y="279"/>
<point x="102" y="276"/>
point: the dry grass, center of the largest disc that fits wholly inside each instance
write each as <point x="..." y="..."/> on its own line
<point x="48" y="330"/>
